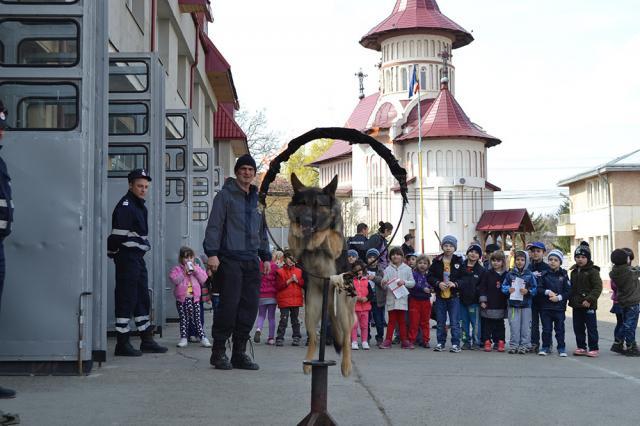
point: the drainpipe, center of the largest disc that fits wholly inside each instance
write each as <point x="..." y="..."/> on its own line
<point x="153" y="25"/>
<point x="195" y="63"/>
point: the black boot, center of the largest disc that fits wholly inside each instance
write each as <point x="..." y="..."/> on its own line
<point x="632" y="350"/>
<point x="149" y="345"/>
<point x="239" y="357"/>
<point x="617" y="347"/>
<point x="7" y="393"/>
<point x="219" y="359"/>
<point x="123" y="346"/>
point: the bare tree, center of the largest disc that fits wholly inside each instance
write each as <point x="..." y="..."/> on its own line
<point x="263" y="142"/>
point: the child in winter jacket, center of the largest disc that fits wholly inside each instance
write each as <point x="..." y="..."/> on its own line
<point x="520" y="285"/>
<point x="379" y="299"/>
<point x="187" y="277"/>
<point x="289" y="283"/>
<point x="420" y="303"/>
<point x="400" y="275"/>
<point x="626" y="279"/>
<point x="586" y="287"/>
<point x="444" y="273"/>
<point x="267" y="302"/>
<point x="553" y="288"/>
<point x="363" y="306"/>
<point x="493" y="302"/>
<point x="468" y="283"/>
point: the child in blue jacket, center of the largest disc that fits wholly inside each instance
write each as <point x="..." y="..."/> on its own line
<point x="554" y="288"/>
<point x="520" y="310"/>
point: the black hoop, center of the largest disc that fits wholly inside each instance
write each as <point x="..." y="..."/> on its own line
<point x="337" y="133"/>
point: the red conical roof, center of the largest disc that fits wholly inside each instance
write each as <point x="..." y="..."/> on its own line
<point x="415" y="16"/>
<point x="446" y="119"/>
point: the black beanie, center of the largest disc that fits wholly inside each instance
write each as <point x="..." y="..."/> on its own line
<point x="583" y="250"/>
<point x="619" y="257"/>
<point x="245" y="160"/>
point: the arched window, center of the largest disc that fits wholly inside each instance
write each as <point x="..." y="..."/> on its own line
<point x="396" y="82"/>
<point x="412" y="49"/>
<point x="404" y="49"/>
<point x="450" y="199"/>
<point x="440" y="169"/>
<point x="419" y="48"/>
<point x="431" y="164"/>
<point x="432" y="85"/>
<point x="475" y="163"/>
<point x="398" y="50"/>
<point x="423" y="78"/>
<point x="458" y="163"/>
<point x="467" y="163"/>
<point x="433" y="48"/>
<point x="404" y="78"/>
<point x="449" y="163"/>
<point x="439" y="47"/>
<point x="482" y="175"/>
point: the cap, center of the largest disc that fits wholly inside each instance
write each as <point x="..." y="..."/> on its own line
<point x="411" y="255"/>
<point x="537" y="244"/>
<point x="352" y="253"/>
<point x="245" y="160"/>
<point x="373" y="252"/>
<point x="138" y="174"/>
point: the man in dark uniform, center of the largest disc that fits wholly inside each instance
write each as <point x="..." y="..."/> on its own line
<point x="359" y="241"/>
<point x="6" y="217"/>
<point x="234" y="238"/>
<point x="127" y="245"/>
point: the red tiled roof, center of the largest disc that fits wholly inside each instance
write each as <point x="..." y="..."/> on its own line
<point x="415" y="16"/>
<point x="225" y="126"/>
<point x="446" y="119"/>
<point x="491" y="187"/>
<point x="505" y="220"/>
<point x="219" y="73"/>
<point x="385" y="116"/>
<point x="358" y="120"/>
<point x="412" y="118"/>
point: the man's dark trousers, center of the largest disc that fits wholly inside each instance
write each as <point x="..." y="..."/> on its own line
<point x="239" y="282"/>
<point x="132" y="290"/>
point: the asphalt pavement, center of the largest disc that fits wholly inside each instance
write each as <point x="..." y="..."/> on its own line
<point x="387" y="387"/>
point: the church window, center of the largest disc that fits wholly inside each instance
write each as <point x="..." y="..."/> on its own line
<point x="439" y="47"/>
<point x="423" y="78"/>
<point x="449" y="163"/>
<point x="475" y="164"/>
<point x="440" y="169"/>
<point x="432" y="79"/>
<point x="431" y="169"/>
<point x="419" y="48"/>
<point x="412" y="49"/>
<point x="482" y="175"/>
<point x="404" y="49"/>
<point x="458" y="163"/>
<point x="433" y="48"/>
<point x="467" y="163"/>
<point x="404" y="78"/>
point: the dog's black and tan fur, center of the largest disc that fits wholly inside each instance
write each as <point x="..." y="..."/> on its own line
<point x="315" y="237"/>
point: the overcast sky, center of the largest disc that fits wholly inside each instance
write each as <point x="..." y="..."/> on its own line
<point x="557" y="81"/>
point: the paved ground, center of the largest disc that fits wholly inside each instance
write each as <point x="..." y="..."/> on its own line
<point x="394" y="387"/>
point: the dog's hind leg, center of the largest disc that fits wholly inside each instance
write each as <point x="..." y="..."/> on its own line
<point x="313" y="314"/>
<point x="346" y="313"/>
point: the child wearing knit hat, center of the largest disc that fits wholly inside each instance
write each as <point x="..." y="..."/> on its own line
<point x="553" y="287"/>
<point x="586" y="287"/>
<point x="469" y="282"/>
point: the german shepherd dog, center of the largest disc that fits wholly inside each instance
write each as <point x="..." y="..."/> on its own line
<point x="315" y="238"/>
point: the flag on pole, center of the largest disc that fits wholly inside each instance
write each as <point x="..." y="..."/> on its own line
<point x="414" y="87"/>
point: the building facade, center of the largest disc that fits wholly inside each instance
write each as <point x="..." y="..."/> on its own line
<point x="604" y="205"/>
<point x="455" y="190"/>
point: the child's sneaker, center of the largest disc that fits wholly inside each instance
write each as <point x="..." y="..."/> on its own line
<point x="183" y="343"/>
<point x="365" y="346"/>
<point x="593" y="354"/>
<point x="543" y="352"/>
<point x="385" y="345"/>
<point x="500" y="345"/>
<point x="279" y="342"/>
<point x="295" y="341"/>
<point x="256" y="337"/>
<point x="580" y="352"/>
<point x="534" y="348"/>
<point x="466" y="346"/>
<point x="487" y="346"/>
<point x="205" y="343"/>
<point x="522" y="350"/>
<point x="439" y="348"/>
<point x="271" y="341"/>
<point x="407" y="345"/>
<point x="617" y="347"/>
<point x="513" y="350"/>
<point x="455" y="349"/>
<point x="354" y="346"/>
<point x="632" y="350"/>
<point x="562" y="353"/>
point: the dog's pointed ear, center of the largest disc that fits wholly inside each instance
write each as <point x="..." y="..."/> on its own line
<point x="296" y="184"/>
<point x="330" y="189"/>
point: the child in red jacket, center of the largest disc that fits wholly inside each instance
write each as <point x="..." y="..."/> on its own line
<point x="363" y="306"/>
<point x="289" y="283"/>
<point x="267" y="302"/>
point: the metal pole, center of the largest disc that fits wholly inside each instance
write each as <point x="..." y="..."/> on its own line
<point x="420" y="170"/>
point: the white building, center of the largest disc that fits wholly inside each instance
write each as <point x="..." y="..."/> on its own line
<point x="454" y="150"/>
<point x="604" y="205"/>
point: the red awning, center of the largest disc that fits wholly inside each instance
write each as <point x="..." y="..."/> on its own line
<point x="506" y="221"/>
<point x="219" y="73"/>
<point x="225" y="126"/>
<point x="196" y="6"/>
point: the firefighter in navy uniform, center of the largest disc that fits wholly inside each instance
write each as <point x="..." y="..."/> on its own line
<point x="6" y="217"/>
<point x="127" y="245"/>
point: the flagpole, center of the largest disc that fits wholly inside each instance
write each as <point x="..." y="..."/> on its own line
<point x="420" y="168"/>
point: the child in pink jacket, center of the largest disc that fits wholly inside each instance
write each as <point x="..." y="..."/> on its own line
<point x="187" y="277"/>
<point x="267" y="303"/>
<point x="363" y="306"/>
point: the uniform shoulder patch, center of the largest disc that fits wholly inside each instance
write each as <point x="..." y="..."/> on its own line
<point x="125" y="203"/>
